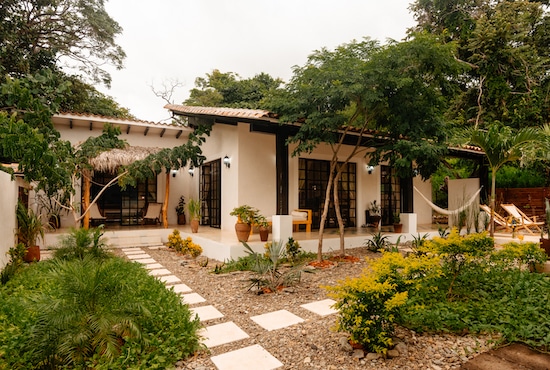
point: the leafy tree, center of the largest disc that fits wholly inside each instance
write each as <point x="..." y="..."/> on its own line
<point x="502" y="145"/>
<point x="228" y="90"/>
<point x="397" y="90"/>
<point x="507" y="45"/>
<point x="37" y="34"/>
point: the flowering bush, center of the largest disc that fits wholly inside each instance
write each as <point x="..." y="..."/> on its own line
<point x="184" y="246"/>
<point x="369" y="304"/>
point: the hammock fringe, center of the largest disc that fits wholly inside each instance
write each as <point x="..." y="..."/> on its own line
<point x="447" y="212"/>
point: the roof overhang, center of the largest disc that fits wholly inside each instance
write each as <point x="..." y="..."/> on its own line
<point x="146" y="128"/>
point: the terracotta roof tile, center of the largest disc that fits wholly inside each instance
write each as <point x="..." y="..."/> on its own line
<point x="225" y="112"/>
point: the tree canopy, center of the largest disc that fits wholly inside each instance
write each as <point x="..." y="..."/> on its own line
<point x="219" y="89"/>
<point x="79" y="35"/>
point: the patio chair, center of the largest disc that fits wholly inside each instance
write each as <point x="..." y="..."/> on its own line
<point x="499" y="220"/>
<point x="95" y="214"/>
<point x="153" y="213"/>
<point x="522" y="221"/>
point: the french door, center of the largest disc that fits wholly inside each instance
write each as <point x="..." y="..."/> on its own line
<point x="313" y="179"/>
<point x="210" y="186"/>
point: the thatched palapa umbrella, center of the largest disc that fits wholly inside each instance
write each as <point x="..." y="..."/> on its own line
<point x="110" y="161"/>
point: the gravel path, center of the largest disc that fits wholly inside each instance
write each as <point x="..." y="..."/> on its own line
<point x="310" y="344"/>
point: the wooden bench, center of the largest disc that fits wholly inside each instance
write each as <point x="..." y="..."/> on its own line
<point x="301" y="217"/>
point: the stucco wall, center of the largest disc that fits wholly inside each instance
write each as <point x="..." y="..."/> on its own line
<point x="181" y="184"/>
<point x="251" y="177"/>
<point x="8" y="201"/>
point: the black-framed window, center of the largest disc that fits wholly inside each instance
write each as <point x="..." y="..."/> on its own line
<point x="313" y="178"/>
<point x="391" y="194"/>
<point x="124" y="207"/>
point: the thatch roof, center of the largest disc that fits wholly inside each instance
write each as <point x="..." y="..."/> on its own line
<point x="111" y="160"/>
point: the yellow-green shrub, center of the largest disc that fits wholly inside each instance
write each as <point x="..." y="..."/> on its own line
<point x="184" y="246"/>
<point x="368" y="304"/>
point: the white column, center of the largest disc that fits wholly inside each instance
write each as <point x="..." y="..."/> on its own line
<point x="409" y="222"/>
<point x="281" y="227"/>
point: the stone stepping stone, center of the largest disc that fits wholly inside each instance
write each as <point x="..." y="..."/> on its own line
<point x="276" y="320"/>
<point x="159" y="272"/>
<point x="131" y="249"/>
<point x="192" y="298"/>
<point x="135" y="251"/>
<point x="181" y="288"/>
<point x="152" y="266"/>
<point x="249" y="358"/>
<point x="206" y="313"/>
<point x="138" y="256"/>
<point x="169" y="279"/>
<point x="216" y="335"/>
<point x="145" y="261"/>
<point x="322" y="308"/>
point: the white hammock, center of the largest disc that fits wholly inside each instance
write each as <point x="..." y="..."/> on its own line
<point x="446" y="211"/>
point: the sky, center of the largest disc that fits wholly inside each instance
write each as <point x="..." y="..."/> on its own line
<point x="180" y="40"/>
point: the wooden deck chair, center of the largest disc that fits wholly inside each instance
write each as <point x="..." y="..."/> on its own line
<point x="153" y="213"/>
<point x="523" y="222"/>
<point x="95" y="214"/>
<point x="499" y="220"/>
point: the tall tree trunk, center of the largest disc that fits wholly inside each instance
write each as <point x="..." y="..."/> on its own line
<point x="338" y="213"/>
<point x="325" y="211"/>
<point x="165" y="203"/>
<point x="86" y="198"/>
<point x="493" y="202"/>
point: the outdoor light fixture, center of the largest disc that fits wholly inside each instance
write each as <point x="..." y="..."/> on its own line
<point x="370" y="169"/>
<point x="191" y="171"/>
<point x="174" y="172"/>
<point x="227" y="161"/>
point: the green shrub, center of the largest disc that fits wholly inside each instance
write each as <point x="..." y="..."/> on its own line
<point x="369" y="304"/>
<point x="490" y="293"/>
<point x="82" y="242"/>
<point x="520" y="254"/>
<point x="15" y="263"/>
<point x="269" y="274"/>
<point x="459" y="252"/>
<point x="90" y="313"/>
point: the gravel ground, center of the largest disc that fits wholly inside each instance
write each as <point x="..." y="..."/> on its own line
<point x="311" y="344"/>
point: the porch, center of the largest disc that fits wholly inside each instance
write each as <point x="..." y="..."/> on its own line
<point x="223" y="245"/>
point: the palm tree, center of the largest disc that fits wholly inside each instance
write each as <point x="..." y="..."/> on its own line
<point x="501" y="145"/>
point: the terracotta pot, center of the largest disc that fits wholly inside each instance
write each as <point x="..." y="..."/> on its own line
<point x="243" y="231"/>
<point x="397" y="228"/>
<point x="33" y="254"/>
<point x="194" y="226"/>
<point x="374" y="220"/>
<point x="264" y="233"/>
<point x="181" y="219"/>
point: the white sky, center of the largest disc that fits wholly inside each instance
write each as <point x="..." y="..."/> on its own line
<point x="185" y="39"/>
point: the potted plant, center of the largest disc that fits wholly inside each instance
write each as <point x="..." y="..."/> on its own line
<point x="374" y="214"/>
<point x="263" y="227"/>
<point x="52" y="207"/>
<point x="29" y="229"/>
<point x="180" y="210"/>
<point x="397" y="225"/>
<point x="545" y="242"/>
<point x="246" y="215"/>
<point x="194" y="208"/>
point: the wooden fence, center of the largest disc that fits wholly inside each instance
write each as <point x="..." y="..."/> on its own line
<point x="529" y="200"/>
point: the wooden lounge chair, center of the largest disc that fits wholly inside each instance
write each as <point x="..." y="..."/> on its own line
<point x="153" y="213"/>
<point x="95" y="214"/>
<point x="499" y="220"/>
<point x="522" y="221"/>
<point x="301" y="217"/>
